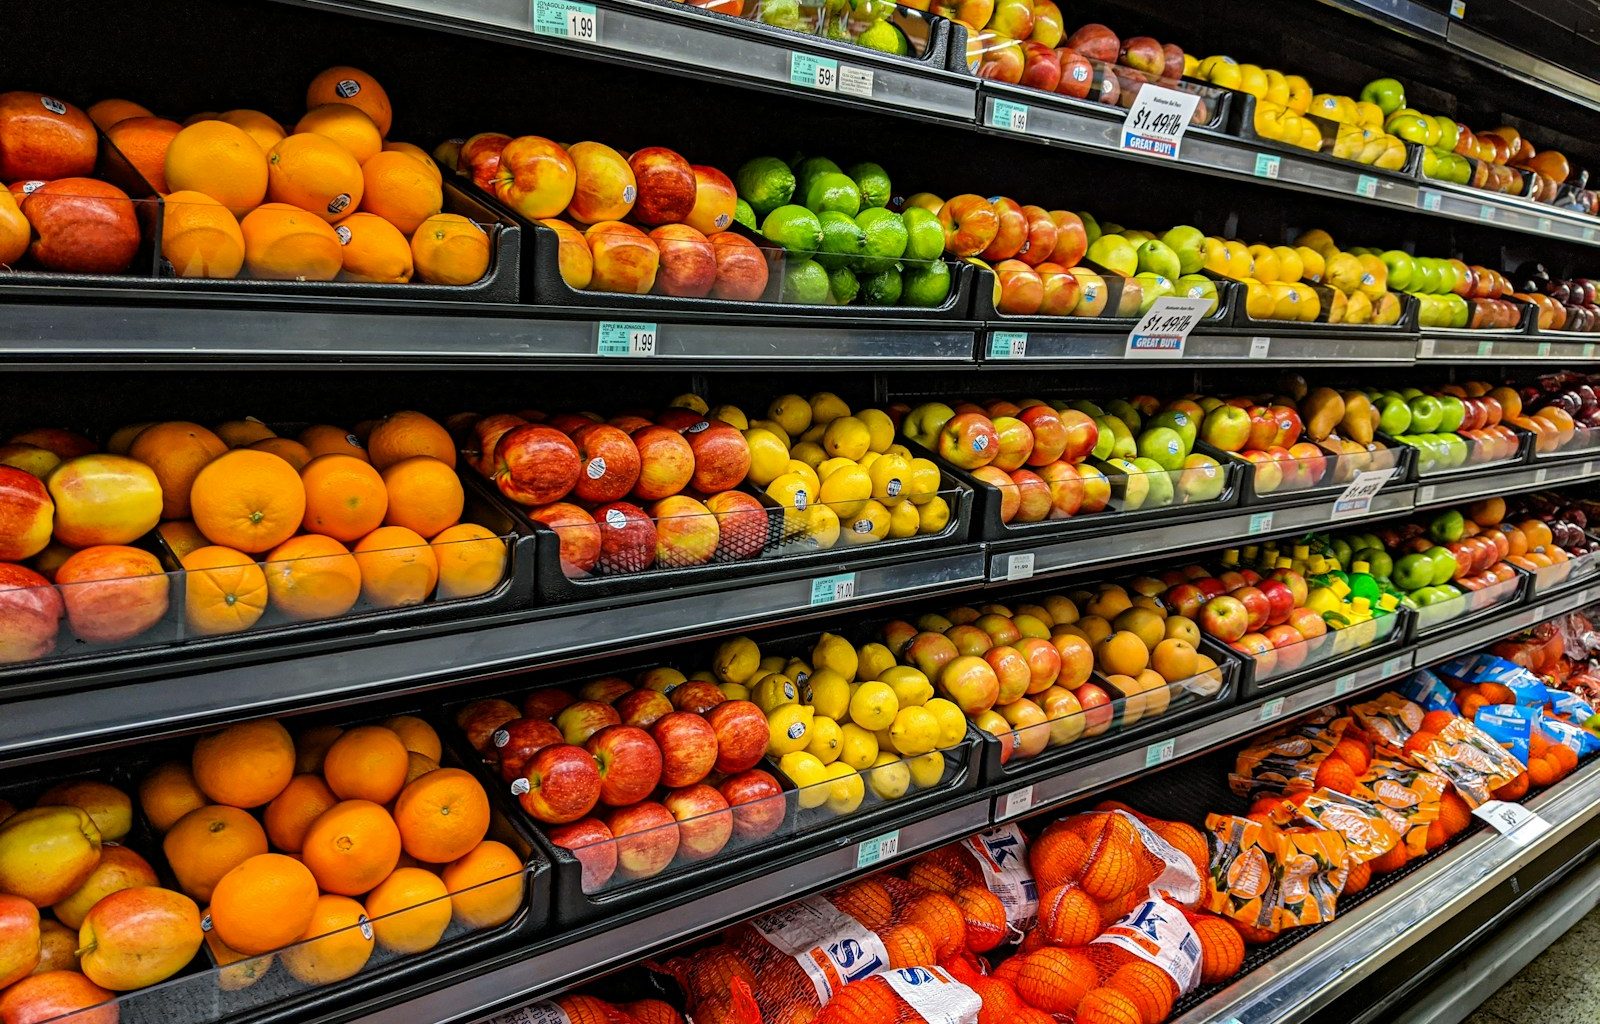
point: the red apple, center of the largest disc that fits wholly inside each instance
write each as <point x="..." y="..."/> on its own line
<point x="44" y="138"/>
<point x="742" y="524"/>
<point x="1041" y="68"/>
<point x="704" y="822"/>
<point x="1280" y="600"/>
<point x="742" y="735"/>
<point x="1312" y="460"/>
<point x="591" y="843"/>
<point x="758" y="803"/>
<point x="741" y="268"/>
<point x="630" y="763"/>
<point x="1016" y="443"/>
<point x="560" y="783"/>
<point x="1021" y="288"/>
<point x="680" y="419"/>
<point x="519" y="739"/>
<point x="1049" y="434"/>
<point x="643" y="707"/>
<point x="1255" y="604"/>
<point x="1001" y="60"/>
<point x="688" y="748"/>
<point x="647" y="838"/>
<point x="1000" y="480"/>
<point x="1307" y="623"/>
<point x="686" y="531"/>
<point x="610" y="463"/>
<point x="1012" y="230"/>
<point x="970" y="224"/>
<point x="569" y="423"/>
<point x="1062" y="290"/>
<point x="545" y="703"/>
<point x="721" y="457"/>
<point x="969" y="639"/>
<point x="626" y="259"/>
<point x="968" y="440"/>
<point x="688" y="261"/>
<point x="1225" y="618"/>
<point x="481" y="718"/>
<point x="605" y="188"/>
<point x="1044" y="663"/>
<point x="1034" y="500"/>
<point x="535" y="465"/>
<point x="1143" y="54"/>
<point x="61" y="995"/>
<point x="696" y="696"/>
<point x="1096" y="42"/>
<point x="30" y="614"/>
<point x="1098" y="711"/>
<point x="479" y="157"/>
<point x="112" y="592"/>
<point x="930" y="653"/>
<point x="1257" y="646"/>
<point x="82" y="226"/>
<point x="715" y="198"/>
<point x="627" y="537"/>
<point x="577" y="533"/>
<point x="666" y="462"/>
<point x="1077" y="74"/>
<point x="1185" y="599"/>
<point x="1011" y="670"/>
<point x="535" y="177"/>
<point x="667" y="186"/>
<point x="971" y="683"/>
<point x="1066" y="489"/>
<point x="1269" y="471"/>
<point x="19" y="938"/>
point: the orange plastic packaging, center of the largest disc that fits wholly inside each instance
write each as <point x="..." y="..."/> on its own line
<point x="1470" y="759"/>
<point x="1408" y="796"/>
<point x="1368" y="833"/>
<point x="1273" y="878"/>
<point x="1286" y="762"/>
<point x="1389" y="718"/>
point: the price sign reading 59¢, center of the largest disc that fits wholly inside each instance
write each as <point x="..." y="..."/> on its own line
<point x="1161" y="333"/>
<point x="1157" y="120"/>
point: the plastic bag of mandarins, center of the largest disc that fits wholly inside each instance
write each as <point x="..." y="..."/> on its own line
<point x="1466" y="756"/>
<point x="975" y="872"/>
<point x="1272" y="878"/>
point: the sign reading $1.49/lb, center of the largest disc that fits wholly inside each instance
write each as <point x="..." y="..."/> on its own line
<point x="1157" y="120"/>
<point x="1163" y="330"/>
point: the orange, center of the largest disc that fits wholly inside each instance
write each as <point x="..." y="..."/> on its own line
<point x="401" y="189"/>
<point x="351" y="847"/>
<point x="355" y="87"/>
<point x="425" y="495"/>
<point x="1056" y="857"/>
<point x="312" y="577"/>
<point x="200" y="237"/>
<point x="407" y="433"/>
<point x="15" y="234"/>
<point x="290" y="451"/>
<point x="409" y="910"/>
<point x="367" y="763"/>
<point x="485" y="885"/>
<point x="263" y="129"/>
<point x="311" y="747"/>
<point x="239" y="433"/>
<point x="1056" y="980"/>
<point x="1566" y="760"/>
<point x="236" y="971"/>
<point x="167" y="794"/>
<point x="1187" y="840"/>
<point x="220" y="160"/>
<point x="450" y="249"/>
<point x="285" y="243"/>
<point x="290" y="814"/>
<point x="418" y="154"/>
<point x="346" y="499"/>
<point x="1358" y="878"/>
<point x="108" y="112"/>
<point x="1151" y="989"/>
<point x="1122" y="653"/>
<point x="937" y="874"/>
<point x="1221" y="949"/>
<point x="443" y="815"/>
<point x="324" y="439"/>
<point x="941" y="917"/>
<point x="1336" y="774"/>
<point x="225" y="591"/>
<point x="418" y="736"/>
<point x="985" y="917"/>
<point x="207" y="843"/>
<point x="868" y="901"/>
<point x="1068" y="916"/>
<point x="316" y="174"/>
<point x="418" y="765"/>
<point x="335" y="945"/>
<point x="907" y="946"/>
<point x="398" y="568"/>
<point x="1352" y="753"/>
<point x="144" y="141"/>
<point x="1394" y="860"/>
<point x="249" y="500"/>
<point x="1108" y="1006"/>
<point x="374" y="250"/>
<point x="244" y="765"/>
<point x="203" y="115"/>
<point x="472" y="560"/>
<point x="176" y="452"/>
<point x="264" y="903"/>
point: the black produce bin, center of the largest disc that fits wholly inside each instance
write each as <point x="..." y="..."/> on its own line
<point x="1335" y="477"/>
<point x="1110" y="90"/>
<point x="1229" y="295"/>
<point x="1320" y="327"/>
<point x="1527" y="323"/>
<point x="1243" y="124"/>
<point x="1326" y="656"/>
<point x="1470" y="609"/>
<point x="1523" y="454"/>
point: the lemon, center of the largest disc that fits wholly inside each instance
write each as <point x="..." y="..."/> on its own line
<point x="846" y="490"/>
<point x="827" y="407"/>
<point x="890" y="475"/>
<point x="823" y="526"/>
<point x="952" y="723"/>
<point x="815" y="433"/>
<point x="872" y="661"/>
<point x="922" y="483"/>
<point x="911" y="687"/>
<point x="661" y="678"/>
<point x="915" y="731"/>
<point x="874" y="706"/>
<point x="847" y="790"/>
<point x="832" y="466"/>
<point x="868" y="526"/>
<point x="889" y="777"/>
<point x="809" y="774"/>
<point x="736" y="660"/>
<point x="808" y="453"/>
<point x="799" y="671"/>
<point x="732" y="415"/>
<point x="905" y="520"/>
<point x="808" y="473"/>
<point x="880" y="429"/>
<point x="886" y="743"/>
<point x="830" y="693"/>
<point x="792" y="413"/>
<point x="928" y="770"/>
<point x="789" y="728"/>
<point x="905" y="453"/>
<point x="795" y="494"/>
<point x="692" y="401"/>
<point x="773" y="692"/>
<point x="734" y="691"/>
<point x="772" y="663"/>
<point x="772" y="427"/>
<point x="769" y="457"/>
<point x="860" y="747"/>
<point x="866" y="461"/>
<point x="827" y="739"/>
<point x="702" y="675"/>
<point x="847" y="437"/>
<point x="835" y="652"/>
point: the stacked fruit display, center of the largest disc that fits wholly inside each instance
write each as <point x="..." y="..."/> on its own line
<point x="306" y="529"/>
<point x="1148" y="267"/>
<point x="287" y="851"/>
<point x="1565" y="304"/>
<point x="842" y="243"/>
<point x="1459" y="425"/>
<point x="636" y="777"/>
<point x="1547" y="528"/>
<point x="866" y="24"/>
<point x="1562" y="410"/>
<point x="1450" y="293"/>
<point x="1439" y="556"/>
<point x="1267" y="432"/>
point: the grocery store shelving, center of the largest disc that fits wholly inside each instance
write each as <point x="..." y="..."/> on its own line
<point x="1456" y="349"/>
<point x="1511" y="480"/>
<point x="1086" y="348"/>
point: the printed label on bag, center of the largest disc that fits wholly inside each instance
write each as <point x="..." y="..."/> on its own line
<point x="832" y="947"/>
<point x="1002" y="857"/>
<point x="935" y="996"/>
<point x="1158" y="932"/>
<point x="1177" y="878"/>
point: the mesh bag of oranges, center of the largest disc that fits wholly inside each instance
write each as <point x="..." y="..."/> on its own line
<point x="1465" y="755"/>
<point x="905" y="995"/>
<point x="990" y="866"/>
<point x="585" y="1009"/>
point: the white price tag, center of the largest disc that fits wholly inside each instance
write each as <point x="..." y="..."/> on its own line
<point x="1020" y="567"/>
<point x="1010" y="115"/>
<point x="1394" y="666"/>
<point x="1544" y="349"/>
<point x="1160" y="753"/>
<point x="1018" y="801"/>
<point x="1513" y="821"/>
<point x="1157" y="120"/>
<point x="871" y="851"/>
<point x="855" y="81"/>
<point x="1008" y="345"/>
<point x="828" y="589"/>
<point x="1260" y="522"/>
<point x="1272" y="709"/>
<point x="1425" y="348"/>
<point x="1458" y="8"/>
<point x="814" y="72"/>
<point x="1161" y="333"/>
<point x="1486" y="213"/>
<point x="1425" y="494"/>
<point x="1259" y="347"/>
<point x="1539" y="475"/>
<point x="615" y="338"/>
<point x="1357" y="497"/>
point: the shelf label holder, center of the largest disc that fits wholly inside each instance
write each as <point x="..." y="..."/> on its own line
<point x="625" y="338"/>
<point x="1513" y="821"/>
<point x="565" y="19"/>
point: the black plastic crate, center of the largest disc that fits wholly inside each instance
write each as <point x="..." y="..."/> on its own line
<point x="1333" y="480"/>
<point x="1242" y="123"/>
<point x="1320" y="327"/>
<point x="1229" y="296"/>
<point x="1471" y="608"/>
<point x="1326" y="656"/>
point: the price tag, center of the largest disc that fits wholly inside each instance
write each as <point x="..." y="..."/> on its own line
<point x="1260" y="522"/>
<point x="1271" y="709"/>
<point x="1394" y="666"/>
<point x="1157" y="120"/>
<point x="619" y="338"/>
<point x="1485" y="347"/>
<point x="1160" y="753"/>
<point x="855" y="81"/>
<point x="1011" y="116"/>
<point x="1367" y="185"/>
<point x="566" y="19"/>
<point x="1008" y="345"/>
<point x="1018" y="801"/>
<point x="828" y="589"/>
<point x="1425" y="494"/>
<point x="1020" y="567"/>
<point x="1588" y="350"/>
<point x="1425" y="348"/>
<point x="1429" y="200"/>
<point x="1344" y="684"/>
<point x="1267" y="165"/>
<point x="1543" y="349"/>
<point x="1458" y="8"/>
<point x="1486" y="213"/>
<point x="1544" y="224"/>
<point x="1589" y="234"/>
<point x="814" y="72"/>
<point x="1513" y="821"/>
<point x="1357" y="497"/>
<point x="1539" y="475"/>
<point x="1161" y="332"/>
<point x="871" y="851"/>
<point x="1259" y="347"/>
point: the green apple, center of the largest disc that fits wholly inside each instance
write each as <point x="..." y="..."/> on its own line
<point x="1115" y="254"/>
<point x="1452" y="412"/>
<point x="1424" y="275"/>
<point x="1163" y="446"/>
<point x="1444" y="565"/>
<point x="1410" y="126"/>
<point x="1091" y="227"/>
<point x="1380" y="563"/>
<point x="1189" y="244"/>
<point x="1156" y="257"/>
<point x="1179" y="421"/>
<point x="1413" y="571"/>
<point x="1446" y="527"/>
<point x="1157" y="477"/>
<point x="1105" y="440"/>
<point x="1394" y="416"/>
<point x="1387" y="93"/>
<point x="1460" y="309"/>
<point x="1122" y="443"/>
<point x="1154" y="286"/>
<point x="1086" y="407"/>
<point x="1197" y="286"/>
<point x="1124" y="410"/>
<point x="1425" y="413"/>
<point x="1128" y="482"/>
<point x="1401" y="269"/>
<point x="1202" y="478"/>
<point x="1456" y="449"/>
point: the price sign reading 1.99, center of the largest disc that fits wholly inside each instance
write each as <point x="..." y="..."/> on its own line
<point x="1157" y="120"/>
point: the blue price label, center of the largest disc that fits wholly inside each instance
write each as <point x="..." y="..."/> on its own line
<point x="625" y="338"/>
<point x="1260" y="522"/>
<point x="1268" y="165"/>
<point x="1485" y="347"/>
<point x="1160" y="753"/>
<point x="1367" y="185"/>
<point x="828" y="589"/>
<point x="1272" y="709"/>
<point x="814" y="72"/>
<point x="879" y="848"/>
<point x="1008" y="345"/>
<point x="1007" y="114"/>
<point x="1429" y="200"/>
<point x="565" y="19"/>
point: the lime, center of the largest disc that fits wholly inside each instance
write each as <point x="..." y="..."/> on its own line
<point x="885" y="36"/>
<point x="808" y="170"/>
<point x="805" y="282"/>
<point x="833" y="190"/>
<point x="781" y="13"/>
<point x="795" y="228"/>
<point x="881" y="289"/>
<point x="766" y="183"/>
<point x="843" y="241"/>
<point x="886" y="238"/>
<point x="927" y="284"/>
<point x="924" y="234"/>
<point x="873" y="181"/>
<point x="744" y="213"/>
<point x="843" y="286"/>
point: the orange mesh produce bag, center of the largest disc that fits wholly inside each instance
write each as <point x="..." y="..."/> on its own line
<point x="907" y="995"/>
<point x="997" y="861"/>
<point x="569" y="1009"/>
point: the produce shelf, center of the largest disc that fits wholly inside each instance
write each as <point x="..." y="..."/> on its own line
<point x="1506" y="480"/>
<point x="1457" y="349"/>
<point x="1046" y="348"/>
